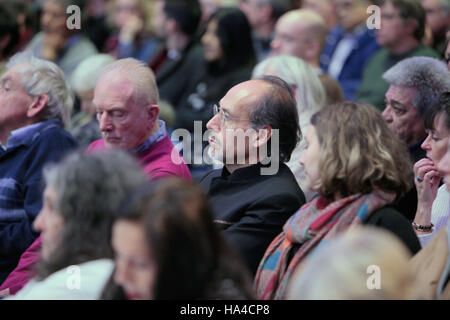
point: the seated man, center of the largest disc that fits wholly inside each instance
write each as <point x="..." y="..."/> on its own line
<point x="302" y="33"/>
<point x="415" y="84"/>
<point x="126" y="98"/>
<point x="35" y="103"/>
<point x="251" y="202"/>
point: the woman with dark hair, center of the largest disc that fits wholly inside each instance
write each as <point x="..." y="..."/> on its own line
<point x="81" y="194"/>
<point x="166" y="247"/>
<point x="433" y="207"/>
<point x="358" y="168"/>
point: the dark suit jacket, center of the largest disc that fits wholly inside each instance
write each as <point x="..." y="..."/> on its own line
<point x="251" y="208"/>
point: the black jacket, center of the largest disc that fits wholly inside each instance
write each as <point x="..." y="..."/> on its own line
<point x="251" y="208"/>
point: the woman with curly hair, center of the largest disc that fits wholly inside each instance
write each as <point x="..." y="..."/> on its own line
<point x="358" y="168"/>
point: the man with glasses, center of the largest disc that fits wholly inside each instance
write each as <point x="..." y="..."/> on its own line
<point x="255" y="128"/>
<point x="400" y="35"/>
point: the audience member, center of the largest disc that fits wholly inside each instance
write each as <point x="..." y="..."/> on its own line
<point x="325" y="8"/>
<point x="176" y="23"/>
<point x="162" y="227"/>
<point x="262" y="16"/>
<point x="81" y="195"/>
<point x="126" y="98"/>
<point x="302" y="33"/>
<point x="438" y="21"/>
<point x="433" y="206"/>
<point x="358" y="167"/>
<point x="349" y="46"/>
<point x="431" y="265"/>
<point x="84" y="124"/>
<point x="131" y="38"/>
<point x="347" y="268"/>
<point x="56" y="42"/>
<point x="400" y="35"/>
<point x="415" y="85"/>
<point x="36" y="102"/>
<point x="252" y="201"/>
<point x="309" y="95"/>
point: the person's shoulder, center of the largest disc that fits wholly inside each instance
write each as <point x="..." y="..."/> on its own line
<point x="426" y="51"/>
<point x="205" y="181"/>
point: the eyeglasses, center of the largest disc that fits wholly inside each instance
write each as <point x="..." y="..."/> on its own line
<point x="223" y="117"/>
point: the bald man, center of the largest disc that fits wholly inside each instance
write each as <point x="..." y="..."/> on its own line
<point x="302" y="33"/>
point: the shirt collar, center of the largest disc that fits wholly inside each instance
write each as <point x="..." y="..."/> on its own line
<point x="156" y="137"/>
<point x="18" y="136"/>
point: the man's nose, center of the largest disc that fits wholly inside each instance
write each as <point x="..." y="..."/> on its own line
<point x="105" y="122"/>
<point x="387" y="114"/>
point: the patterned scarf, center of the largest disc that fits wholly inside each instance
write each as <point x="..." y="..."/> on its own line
<point x="312" y="226"/>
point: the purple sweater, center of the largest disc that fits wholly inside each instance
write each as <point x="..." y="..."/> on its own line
<point x="157" y="160"/>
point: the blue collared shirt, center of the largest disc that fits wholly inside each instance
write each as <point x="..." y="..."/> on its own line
<point x="21" y="134"/>
<point x="154" y="138"/>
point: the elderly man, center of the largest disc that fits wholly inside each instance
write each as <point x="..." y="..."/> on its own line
<point x="126" y="100"/>
<point x="400" y="35"/>
<point x="415" y="84"/>
<point x="262" y="16"/>
<point x="349" y="45"/>
<point x="35" y="103"/>
<point x="250" y="204"/>
<point x="301" y="33"/>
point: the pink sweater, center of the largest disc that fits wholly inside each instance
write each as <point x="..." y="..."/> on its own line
<point x="160" y="160"/>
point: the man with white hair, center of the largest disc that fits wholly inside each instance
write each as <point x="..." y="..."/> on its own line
<point x="415" y="85"/>
<point x="35" y="103"/>
<point x="126" y="100"/>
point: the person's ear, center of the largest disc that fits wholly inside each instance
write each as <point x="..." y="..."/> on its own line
<point x="39" y="103"/>
<point x="152" y="113"/>
<point x="262" y="136"/>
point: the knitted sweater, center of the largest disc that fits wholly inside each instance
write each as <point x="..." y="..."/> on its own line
<point x="21" y="187"/>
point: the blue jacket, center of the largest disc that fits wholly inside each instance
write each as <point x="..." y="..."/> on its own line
<point x="352" y="71"/>
<point x="21" y="187"/>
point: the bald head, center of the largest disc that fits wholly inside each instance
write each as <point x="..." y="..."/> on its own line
<point x="300" y="33"/>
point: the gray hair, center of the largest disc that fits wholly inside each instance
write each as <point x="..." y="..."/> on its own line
<point x="428" y="75"/>
<point x="310" y="96"/>
<point x="40" y="77"/>
<point x="84" y="77"/>
<point x="139" y="74"/>
<point x="89" y="189"/>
